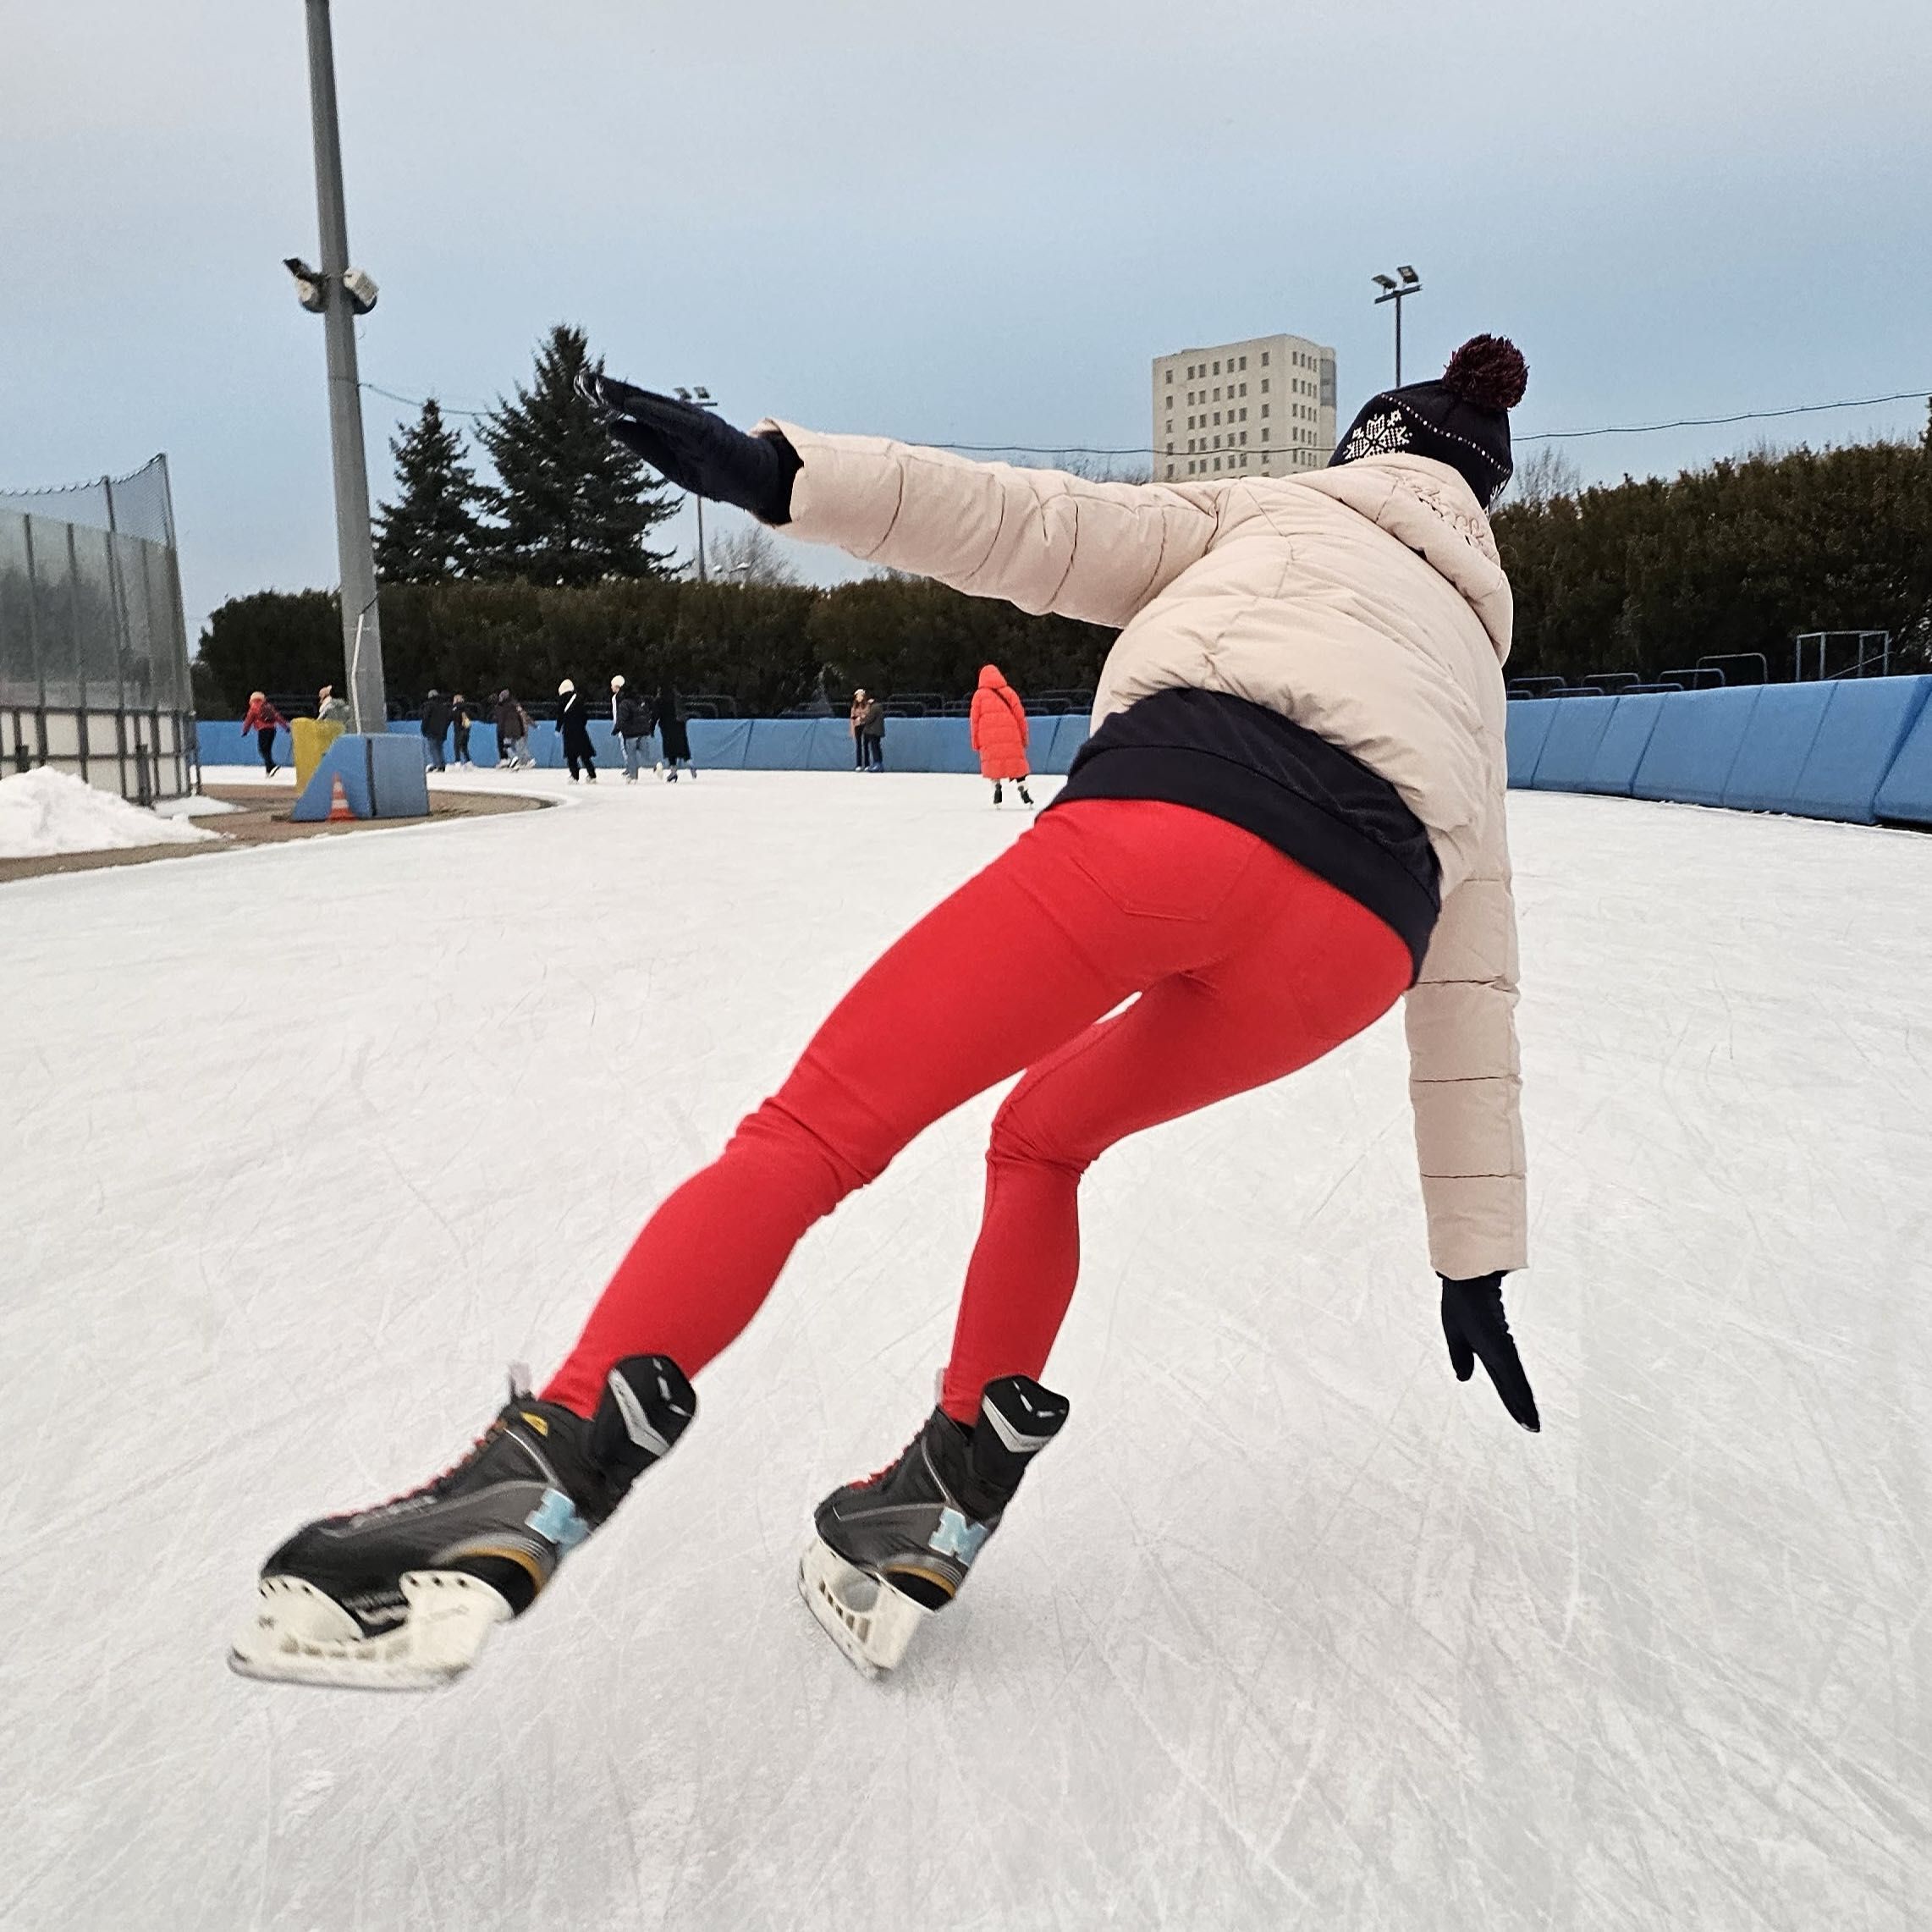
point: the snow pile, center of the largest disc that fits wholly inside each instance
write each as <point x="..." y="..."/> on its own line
<point x="45" y="811"/>
<point x="195" y="805"/>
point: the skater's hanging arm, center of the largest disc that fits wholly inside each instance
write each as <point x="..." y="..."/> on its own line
<point x="1465" y="1078"/>
<point x="1041" y="539"/>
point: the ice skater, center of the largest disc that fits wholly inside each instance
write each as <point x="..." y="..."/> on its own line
<point x="674" y="741"/>
<point x="999" y="733"/>
<point x="574" y="727"/>
<point x="1290" y="814"/>
<point x="264" y="720"/>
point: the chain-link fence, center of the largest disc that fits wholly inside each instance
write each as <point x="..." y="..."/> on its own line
<point x="94" y="674"/>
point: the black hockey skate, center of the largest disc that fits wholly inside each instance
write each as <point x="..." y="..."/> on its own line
<point x="403" y="1596"/>
<point x="894" y="1549"/>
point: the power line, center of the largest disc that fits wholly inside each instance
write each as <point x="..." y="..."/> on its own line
<point x="1538" y="436"/>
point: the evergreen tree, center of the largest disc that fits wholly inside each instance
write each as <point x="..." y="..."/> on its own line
<point x="574" y="507"/>
<point x="428" y="535"/>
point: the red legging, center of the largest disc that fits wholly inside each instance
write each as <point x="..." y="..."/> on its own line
<point x="1246" y="966"/>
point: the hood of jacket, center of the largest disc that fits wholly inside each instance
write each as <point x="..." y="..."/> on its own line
<point x="990" y="678"/>
<point x="1427" y="507"/>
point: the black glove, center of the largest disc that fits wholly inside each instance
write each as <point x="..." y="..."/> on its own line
<point x="1475" y="1327"/>
<point x="690" y="447"/>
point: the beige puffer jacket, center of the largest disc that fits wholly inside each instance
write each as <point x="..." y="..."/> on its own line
<point x="1367" y="604"/>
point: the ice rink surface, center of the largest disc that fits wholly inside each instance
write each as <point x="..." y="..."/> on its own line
<point x="300" y="1146"/>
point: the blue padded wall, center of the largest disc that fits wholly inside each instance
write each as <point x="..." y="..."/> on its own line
<point x="1528" y="727"/>
<point x="1625" y="739"/>
<point x="1866" y="722"/>
<point x="1574" y="735"/>
<point x="1763" y="775"/>
<point x="1907" y="792"/>
<point x="1691" y="751"/>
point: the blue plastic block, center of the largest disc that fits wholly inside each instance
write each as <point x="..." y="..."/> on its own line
<point x="347" y="759"/>
<point x="1567" y="751"/>
<point x="1764" y="776"/>
<point x="1907" y="792"/>
<point x="399" y="781"/>
<point x="1695" y="744"/>
<point x="1867" y="720"/>
<point x="1528" y="721"/>
<point x="1621" y="749"/>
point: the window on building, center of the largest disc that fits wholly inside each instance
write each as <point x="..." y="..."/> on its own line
<point x="1244" y="388"/>
<point x="1264" y="435"/>
<point x="1264" y="385"/>
<point x="1217" y="462"/>
<point x="1170" y="450"/>
<point x="1244" y="436"/>
<point x="1244" y="362"/>
<point x="1168" y="431"/>
<point x="1264" y="359"/>
<point x="1264" y="408"/>
<point x="1216" y="368"/>
<point x="1171" y="385"/>
<point x="1244" y="415"/>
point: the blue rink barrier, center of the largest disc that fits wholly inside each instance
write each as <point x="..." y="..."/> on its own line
<point x="1694" y="745"/>
<point x="1906" y="791"/>
<point x="721" y="744"/>
<point x="1624" y="740"/>
<point x="1765" y="773"/>
<point x="1571" y="747"/>
<point x="1857" y="750"/>
<point x="1529" y="723"/>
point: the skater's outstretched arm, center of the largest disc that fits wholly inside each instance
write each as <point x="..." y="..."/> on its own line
<point x="1041" y="539"/>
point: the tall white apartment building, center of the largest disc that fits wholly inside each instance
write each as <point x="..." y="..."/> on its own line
<point x="1261" y="408"/>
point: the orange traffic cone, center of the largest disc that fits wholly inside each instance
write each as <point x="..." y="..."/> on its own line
<point x="339" y="811"/>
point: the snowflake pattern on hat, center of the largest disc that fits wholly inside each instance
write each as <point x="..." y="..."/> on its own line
<point x="1377" y="436"/>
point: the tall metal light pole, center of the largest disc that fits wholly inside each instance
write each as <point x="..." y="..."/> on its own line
<point x="338" y="294"/>
<point x="1398" y="292"/>
<point x="702" y="397"/>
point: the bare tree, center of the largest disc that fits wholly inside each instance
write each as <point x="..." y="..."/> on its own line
<point x="1543" y="475"/>
<point x="748" y="555"/>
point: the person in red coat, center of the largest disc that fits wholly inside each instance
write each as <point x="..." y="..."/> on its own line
<point x="999" y="732"/>
<point x="264" y="720"/>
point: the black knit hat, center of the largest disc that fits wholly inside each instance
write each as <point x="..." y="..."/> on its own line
<point x="1462" y="420"/>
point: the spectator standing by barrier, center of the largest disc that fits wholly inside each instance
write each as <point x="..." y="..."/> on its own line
<point x="573" y="724"/>
<point x="331" y="709"/>
<point x="999" y="733"/>
<point x="671" y="733"/>
<point x="872" y="736"/>
<point x="461" y="717"/>
<point x="858" y="713"/>
<point x="435" y="727"/>
<point x="631" y="721"/>
<point x="264" y="720"/>
<point x="513" y="732"/>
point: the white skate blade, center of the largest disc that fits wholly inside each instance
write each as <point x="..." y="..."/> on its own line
<point x="298" y="1635"/>
<point x="869" y="1621"/>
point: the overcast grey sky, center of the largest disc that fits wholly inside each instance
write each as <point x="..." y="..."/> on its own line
<point x="970" y="223"/>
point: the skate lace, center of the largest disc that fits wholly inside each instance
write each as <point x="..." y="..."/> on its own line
<point x="519" y="1391"/>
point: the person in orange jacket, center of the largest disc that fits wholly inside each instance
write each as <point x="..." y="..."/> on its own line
<point x="999" y="733"/>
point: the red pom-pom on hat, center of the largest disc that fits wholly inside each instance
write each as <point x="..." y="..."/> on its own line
<point x="1487" y="370"/>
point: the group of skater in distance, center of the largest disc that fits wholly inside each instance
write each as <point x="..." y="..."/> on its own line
<point x="1290" y="815"/>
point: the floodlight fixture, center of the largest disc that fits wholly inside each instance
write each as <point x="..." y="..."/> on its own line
<point x="1383" y="282"/>
<point x="309" y="289"/>
<point x="1410" y="278"/>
